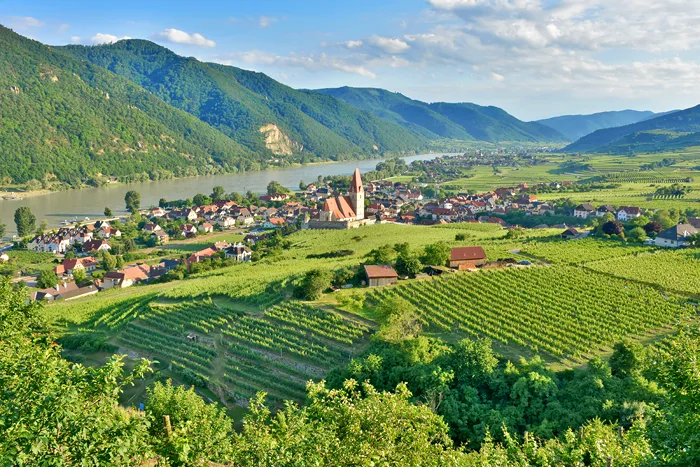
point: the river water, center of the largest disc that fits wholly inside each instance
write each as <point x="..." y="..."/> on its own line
<point x="90" y="202"/>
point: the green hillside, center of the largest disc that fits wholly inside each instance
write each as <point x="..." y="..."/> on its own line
<point x="463" y="121"/>
<point x="240" y="103"/>
<point x="69" y="119"/>
<point x="578" y="126"/>
<point x="676" y="130"/>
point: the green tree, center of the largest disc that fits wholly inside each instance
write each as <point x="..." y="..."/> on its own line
<point x="201" y="200"/>
<point x="382" y="255"/>
<point x="302" y="185"/>
<point x="79" y="275"/>
<point x="313" y="284"/>
<point x="133" y="201"/>
<point x="637" y="234"/>
<point x="436" y="254"/>
<point x="25" y="221"/>
<point x="108" y="212"/>
<point x="200" y="433"/>
<point x="218" y="194"/>
<point x="119" y="262"/>
<point x="162" y="203"/>
<point x="49" y="405"/>
<point x="3" y="229"/>
<point x="408" y="264"/>
<point x="47" y="279"/>
<point x="108" y="261"/>
<point x="43" y="227"/>
<point x="625" y="359"/>
<point x="275" y="188"/>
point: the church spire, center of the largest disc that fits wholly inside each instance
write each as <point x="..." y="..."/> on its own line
<point x="356" y="184"/>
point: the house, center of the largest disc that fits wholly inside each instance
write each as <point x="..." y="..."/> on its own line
<point x="570" y="233"/>
<point x="380" y="274"/>
<point x="127" y="277"/>
<point x="52" y="293"/>
<point x="187" y="214"/>
<point x="78" y="293"/>
<point x="88" y="264"/>
<point x="96" y="245"/>
<point x="584" y="211"/>
<point x="463" y="257"/>
<point x="157" y="212"/>
<point x="227" y="222"/>
<point x="244" y="217"/>
<point x="239" y="252"/>
<point x="605" y="209"/>
<point x="626" y="213"/>
<point x="200" y="255"/>
<point x="188" y="230"/>
<point x="107" y="231"/>
<point x="274" y="223"/>
<point x="206" y="227"/>
<point x="161" y="237"/>
<point x="676" y="236"/>
<point x="163" y="268"/>
<point x="151" y="228"/>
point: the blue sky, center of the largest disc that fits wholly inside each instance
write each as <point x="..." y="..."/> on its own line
<point x="534" y="58"/>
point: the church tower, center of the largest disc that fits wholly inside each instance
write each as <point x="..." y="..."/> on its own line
<point x="357" y="195"/>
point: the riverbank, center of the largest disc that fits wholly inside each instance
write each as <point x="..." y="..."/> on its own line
<point x="91" y="202"/>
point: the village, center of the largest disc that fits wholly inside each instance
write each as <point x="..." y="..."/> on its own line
<point x="97" y="256"/>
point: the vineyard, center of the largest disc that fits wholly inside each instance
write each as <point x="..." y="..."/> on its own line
<point x="672" y="270"/>
<point x="208" y="344"/>
<point x="563" y="311"/>
<point x="579" y="251"/>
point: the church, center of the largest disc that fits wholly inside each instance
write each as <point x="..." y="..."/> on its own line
<point x="344" y="212"/>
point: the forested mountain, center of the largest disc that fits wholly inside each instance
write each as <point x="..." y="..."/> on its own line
<point x="670" y="131"/>
<point x="578" y="126"/>
<point x="251" y="108"/>
<point x="445" y="120"/>
<point x="73" y="120"/>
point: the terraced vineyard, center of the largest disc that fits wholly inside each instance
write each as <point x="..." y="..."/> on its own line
<point x="563" y="311"/>
<point x="672" y="270"/>
<point x="276" y="351"/>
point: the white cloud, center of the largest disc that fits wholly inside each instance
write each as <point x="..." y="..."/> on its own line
<point x="496" y="77"/>
<point x="352" y="44"/>
<point x="265" y="21"/>
<point x="63" y="27"/>
<point x="75" y="39"/>
<point x="101" y="38"/>
<point x="309" y="62"/>
<point x="389" y="45"/>
<point x="24" y="22"/>
<point x="177" y="36"/>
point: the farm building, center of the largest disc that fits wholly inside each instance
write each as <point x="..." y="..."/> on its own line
<point x="380" y="274"/>
<point x="465" y="257"/>
<point x="570" y="233"/>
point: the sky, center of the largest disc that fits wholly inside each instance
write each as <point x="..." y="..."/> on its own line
<point x="534" y="58"/>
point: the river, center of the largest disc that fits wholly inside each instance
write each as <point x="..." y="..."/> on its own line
<point x="91" y="202"/>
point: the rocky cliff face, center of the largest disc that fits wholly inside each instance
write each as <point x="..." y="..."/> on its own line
<point x="277" y="142"/>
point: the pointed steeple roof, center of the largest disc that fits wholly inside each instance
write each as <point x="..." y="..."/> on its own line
<point x="356" y="184"/>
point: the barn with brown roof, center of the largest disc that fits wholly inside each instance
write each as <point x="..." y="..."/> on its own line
<point x="380" y="274"/>
<point x="464" y="257"/>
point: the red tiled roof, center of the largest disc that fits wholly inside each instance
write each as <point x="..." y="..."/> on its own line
<point x="467" y="253"/>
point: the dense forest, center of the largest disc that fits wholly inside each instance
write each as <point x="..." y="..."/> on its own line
<point x="410" y="400"/>
<point x="463" y="121"/>
<point x="239" y="102"/>
<point x="71" y="120"/>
